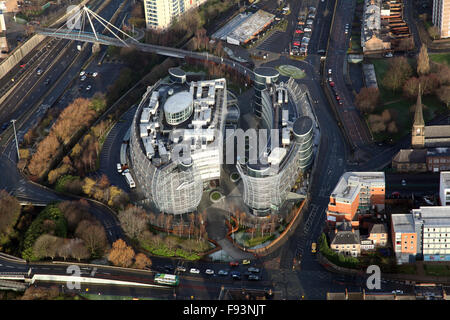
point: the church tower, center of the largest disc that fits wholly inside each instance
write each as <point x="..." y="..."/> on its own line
<point x="418" y="129"/>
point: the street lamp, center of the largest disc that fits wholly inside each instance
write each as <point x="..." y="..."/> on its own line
<point x="15" y="136"/>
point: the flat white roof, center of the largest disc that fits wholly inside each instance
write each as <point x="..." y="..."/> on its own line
<point x="445" y="179"/>
<point x="251" y="26"/>
<point x="178" y="102"/>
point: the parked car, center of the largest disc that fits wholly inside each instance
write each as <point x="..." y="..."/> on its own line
<point x="236" y="275"/>
<point x="253" y="270"/>
<point x="312" y="10"/>
<point x="222" y="273"/>
<point x="331" y="84"/>
<point x="307" y="29"/>
<point x="83" y="77"/>
<point x="389" y="55"/>
<point x="246" y="261"/>
<point x="119" y="168"/>
<point x="329" y="71"/>
<point x="94" y="74"/>
<point x="338" y="98"/>
<point x="180" y="269"/>
<point x="194" y="270"/>
<point x="312" y="16"/>
<point x="253" y="277"/>
<point x="209" y="271"/>
<point x="88" y="87"/>
<point x="168" y="268"/>
<point x="39" y="71"/>
<point x="309" y="22"/>
<point x="403" y="182"/>
<point x="234" y="263"/>
<point x="82" y="73"/>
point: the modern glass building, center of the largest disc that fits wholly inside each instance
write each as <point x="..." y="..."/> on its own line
<point x="175" y="142"/>
<point x="288" y="150"/>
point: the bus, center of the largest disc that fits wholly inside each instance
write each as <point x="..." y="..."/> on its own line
<point x="167" y="279"/>
<point x="130" y="180"/>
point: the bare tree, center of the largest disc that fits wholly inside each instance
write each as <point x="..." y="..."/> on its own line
<point x="94" y="236"/>
<point x="398" y="72"/>
<point x="79" y="250"/>
<point x="133" y="221"/>
<point x="443" y="93"/>
<point x="367" y="99"/>
<point x="423" y="61"/>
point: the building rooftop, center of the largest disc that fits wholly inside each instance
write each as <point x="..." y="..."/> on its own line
<point x="438" y="131"/>
<point x="350" y="184"/>
<point x="180" y="113"/>
<point x="433" y="216"/>
<point x="403" y="223"/>
<point x="411" y="156"/>
<point x="445" y="179"/>
<point x="378" y="228"/>
<point x="251" y="26"/>
<point x="346" y="237"/>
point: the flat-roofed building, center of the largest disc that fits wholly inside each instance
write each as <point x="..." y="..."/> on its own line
<point x="356" y="192"/>
<point x="424" y="232"/>
<point x="404" y="237"/>
<point x="159" y="14"/>
<point x="444" y="188"/>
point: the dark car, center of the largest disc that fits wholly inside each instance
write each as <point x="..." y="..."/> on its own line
<point x="169" y="268"/>
<point x="4" y="126"/>
<point x="236" y="275"/>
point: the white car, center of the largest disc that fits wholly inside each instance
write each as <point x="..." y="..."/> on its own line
<point x="193" y="270"/>
<point x="209" y="271"/>
<point x="83" y="77"/>
<point x="88" y="87"/>
<point x="82" y="73"/>
<point x="95" y="74"/>
<point x="307" y="29"/>
<point x="119" y="168"/>
<point x="329" y="71"/>
<point x="403" y="182"/>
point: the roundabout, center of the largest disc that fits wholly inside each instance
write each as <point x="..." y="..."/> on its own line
<point x="291" y="71"/>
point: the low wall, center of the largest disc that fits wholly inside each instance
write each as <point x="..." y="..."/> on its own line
<point x="19" y="53"/>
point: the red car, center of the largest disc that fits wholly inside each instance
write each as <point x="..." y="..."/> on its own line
<point x="331" y="84"/>
<point x="234" y="263"/>
<point x="338" y="98"/>
<point x="23" y="65"/>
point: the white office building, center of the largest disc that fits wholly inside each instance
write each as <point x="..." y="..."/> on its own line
<point x="444" y="188"/>
<point x="159" y="14"/>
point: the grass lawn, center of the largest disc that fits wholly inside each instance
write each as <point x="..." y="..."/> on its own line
<point x="249" y="242"/>
<point x="406" y="269"/>
<point x="437" y="269"/>
<point x="440" y="58"/>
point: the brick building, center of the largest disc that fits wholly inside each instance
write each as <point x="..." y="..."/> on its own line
<point x="356" y="193"/>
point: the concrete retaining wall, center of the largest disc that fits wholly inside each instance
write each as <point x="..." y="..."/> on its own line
<point x="19" y="53"/>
